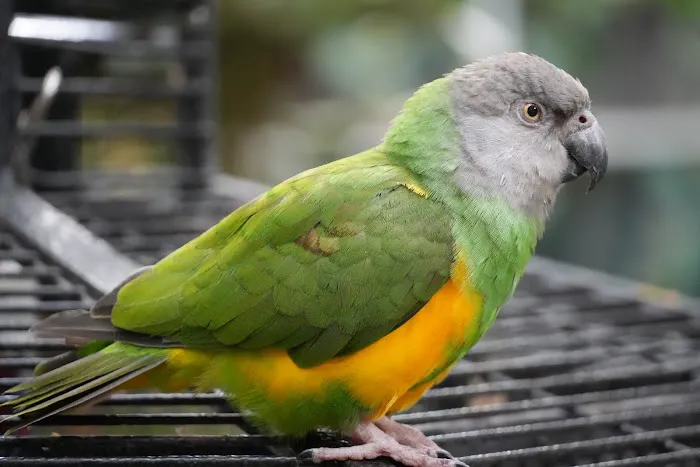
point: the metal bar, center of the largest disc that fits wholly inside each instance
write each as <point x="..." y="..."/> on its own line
<point x="113" y="129"/>
<point x="8" y="119"/>
<point x="564" y="274"/>
<point x="534" y="403"/>
<point x="545" y="453"/>
<point x="196" y="156"/>
<point x="598" y="378"/>
<point x="211" y="108"/>
<point x="91" y="259"/>
<point x="198" y="461"/>
<point x="571" y="424"/>
<point x="44" y="152"/>
<point x="91" y="8"/>
<point x="137" y="49"/>
<point x="190" y="418"/>
<point x="36" y="111"/>
<point x="660" y="460"/>
<point x="67" y="446"/>
<point x="121" y="87"/>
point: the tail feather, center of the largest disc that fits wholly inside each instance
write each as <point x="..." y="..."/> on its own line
<point x="108" y="357"/>
<point x="102" y="309"/>
<point x="79" y="327"/>
<point x="55" y="362"/>
<point x="71" y="356"/>
<point x="77" y="383"/>
<point x="73" y="368"/>
<point x="50" y="388"/>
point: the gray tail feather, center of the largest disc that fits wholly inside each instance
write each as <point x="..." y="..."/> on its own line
<point x="79" y="327"/>
<point x="104" y="306"/>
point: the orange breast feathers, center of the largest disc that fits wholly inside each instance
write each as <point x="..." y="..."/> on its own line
<point x="387" y="376"/>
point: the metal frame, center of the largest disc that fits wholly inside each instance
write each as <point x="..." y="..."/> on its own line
<point x="196" y="116"/>
<point x="96" y="263"/>
<point x="7" y="91"/>
<point x="91" y="259"/>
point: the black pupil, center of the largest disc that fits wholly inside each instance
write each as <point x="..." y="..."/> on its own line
<point x="532" y="110"/>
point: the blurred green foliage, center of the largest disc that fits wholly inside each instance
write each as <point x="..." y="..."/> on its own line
<point x="268" y="49"/>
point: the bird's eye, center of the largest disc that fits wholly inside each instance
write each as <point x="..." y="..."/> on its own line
<point x="532" y="112"/>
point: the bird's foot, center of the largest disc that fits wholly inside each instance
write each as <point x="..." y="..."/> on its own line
<point x="387" y="439"/>
<point x="408" y="435"/>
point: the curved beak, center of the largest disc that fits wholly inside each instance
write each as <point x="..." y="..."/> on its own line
<point x="588" y="152"/>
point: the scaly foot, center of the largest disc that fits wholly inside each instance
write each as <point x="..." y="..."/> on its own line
<point x="411" y="436"/>
<point x="373" y="441"/>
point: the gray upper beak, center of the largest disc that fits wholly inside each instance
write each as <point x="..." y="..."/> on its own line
<point x="588" y="152"/>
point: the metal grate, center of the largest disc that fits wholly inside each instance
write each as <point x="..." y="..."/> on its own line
<point x="569" y="375"/>
<point x="141" y="76"/>
<point x="143" y="218"/>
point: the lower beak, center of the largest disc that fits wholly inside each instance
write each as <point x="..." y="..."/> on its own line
<point x="588" y="152"/>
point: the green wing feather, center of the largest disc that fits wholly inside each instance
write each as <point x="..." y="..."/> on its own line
<point x="321" y="265"/>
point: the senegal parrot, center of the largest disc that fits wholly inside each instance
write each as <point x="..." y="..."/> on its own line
<point x="340" y="296"/>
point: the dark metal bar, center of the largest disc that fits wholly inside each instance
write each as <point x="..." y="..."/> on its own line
<point x="198" y="461"/>
<point x="571" y="424"/>
<point x="121" y="87"/>
<point x="568" y="275"/>
<point x="137" y="49"/>
<point x="111" y="129"/>
<point x="8" y="112"/>
<point x="197" y="155"/>
<point x="204" y="418"/>
<point x="68" y="446"/>
<point x="44" y="152"/>
<point x="575" y="400"/>
<point x="588" y="447"/>
<point x="658" y="460"/>
<point x="640" y="374"/>
<point x="93" y="9"/>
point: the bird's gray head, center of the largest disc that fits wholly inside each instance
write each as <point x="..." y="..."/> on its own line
<point x="526" y="128"/>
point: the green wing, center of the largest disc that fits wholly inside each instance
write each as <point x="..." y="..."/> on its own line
<point x="321" y="265"/>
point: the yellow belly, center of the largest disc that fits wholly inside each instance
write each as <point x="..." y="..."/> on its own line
<point x="382" y="377"/>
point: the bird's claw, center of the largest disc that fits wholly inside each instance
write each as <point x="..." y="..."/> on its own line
<point x="405" y="455"/>
<point x="305" y="456"/>
<point x="386" y="438"/>
<point x="442" y="454"/>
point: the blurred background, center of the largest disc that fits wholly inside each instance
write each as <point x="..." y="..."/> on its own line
<point x="304" y="82"/>
<point x="308" y="81"/>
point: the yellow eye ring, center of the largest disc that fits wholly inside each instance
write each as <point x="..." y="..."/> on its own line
<point x="531" y="112"/>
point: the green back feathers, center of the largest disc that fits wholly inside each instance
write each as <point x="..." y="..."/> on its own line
<point x="322" y="265"/>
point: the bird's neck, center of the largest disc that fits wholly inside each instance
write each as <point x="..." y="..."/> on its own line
<point x="423" y="139"/>
<point x="496" y="242"/>
<point x="497" y="239"/>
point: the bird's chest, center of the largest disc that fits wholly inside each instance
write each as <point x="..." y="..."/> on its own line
<point x="401" y="366"/>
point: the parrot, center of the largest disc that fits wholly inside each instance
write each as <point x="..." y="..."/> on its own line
<point x="339" y="297"/>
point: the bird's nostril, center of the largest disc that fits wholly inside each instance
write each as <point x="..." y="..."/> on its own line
<point x="582" y="119"/>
